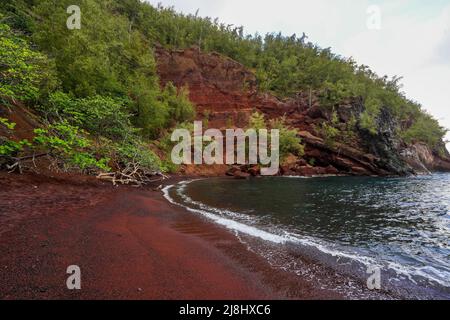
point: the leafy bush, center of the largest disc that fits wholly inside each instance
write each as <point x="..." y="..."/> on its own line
<point x="164" y="110"/>
<point x="257" y="121"/>
<point x="7" y="124"/>
<point x="166" y="145"/>
<point x="101" y="116"/>
<point x="329" y="133"/>
<point x="425" y="130"/>
<point x="179" y="105"/>
<point x="12" y="148"/>
<point x="289" y="140"/>
<point x="69" y="144"/>
<point x="349" y="132"/>
<point x="290" y="143"/>
<point x="138" y="152"/>
<point x="24" y="74"/>
<point x="368" y="119"/>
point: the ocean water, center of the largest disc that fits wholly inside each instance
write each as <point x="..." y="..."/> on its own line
<point x="338" y="231"/>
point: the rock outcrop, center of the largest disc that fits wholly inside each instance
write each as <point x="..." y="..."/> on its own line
<point x="222" y="89"/>
<point x="226" y="94"/>
<point x="422" y="160"/>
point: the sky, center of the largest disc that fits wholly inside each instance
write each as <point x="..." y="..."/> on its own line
<point x="409" y="38"/>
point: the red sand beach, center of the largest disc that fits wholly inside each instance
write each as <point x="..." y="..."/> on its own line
<point x="129" y="243"/>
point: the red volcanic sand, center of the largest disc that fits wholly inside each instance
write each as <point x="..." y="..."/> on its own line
<point x="129" y="244"/>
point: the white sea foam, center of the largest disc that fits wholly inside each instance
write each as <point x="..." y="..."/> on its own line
<point x="315" y="176"/>
<point x="229" y="223"/>
<point x="226" y="218"/>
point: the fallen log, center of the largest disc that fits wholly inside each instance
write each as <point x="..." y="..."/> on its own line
<point x="132" y="174"/>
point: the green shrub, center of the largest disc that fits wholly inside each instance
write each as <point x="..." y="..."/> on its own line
<point x="136" y="151"/>
<point x="349" y="133"/>
<point x="329" y="133"/>
<point x="166" y="145"/>
<point x="70" y="145"/>
<point x="290" y="143"/>
<point x="101" y="116"/>
<point x="425" y="129"/>
<point x="9" y="125"/>
<point x="179" y="105"/>
<point x="10" y="148"/>
<point x="257" y="121"/>
<point x="24" y="74"/>
<point x="368" y="119"/>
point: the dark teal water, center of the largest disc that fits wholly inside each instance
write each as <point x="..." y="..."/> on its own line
<point x="345" y="224"/>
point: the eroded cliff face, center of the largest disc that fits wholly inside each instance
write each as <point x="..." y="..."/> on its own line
<point x="423" y="160"/>
<point x="222" y="89"/>
<point x="226" y="94"/>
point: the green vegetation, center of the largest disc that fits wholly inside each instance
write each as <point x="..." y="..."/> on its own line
<point x="11" y="148"/>
<point x="69" y="145"/>
<point x="333" y="130"/>
<point x="349" y="132"/>
<point x="24" y="74"/>
<point x="285" y="65"/>
<point x="179" y="107"/>
<point x="257" y="121"/>
<point x="8" y="147"/>
<point x="424" y="130"/>
<point x="97" y="88"/>
<point x="105" y="116"/>
<point x="7" y="124"/>
<point x="329" y="133"/>
<point x="290" y="143"/>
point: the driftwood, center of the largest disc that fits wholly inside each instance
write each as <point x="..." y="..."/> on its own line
<point x="18" y="163"/>
<point x="133" y="174"/>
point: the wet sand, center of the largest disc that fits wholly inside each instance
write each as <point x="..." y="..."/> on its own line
<point x="129" y="243"/>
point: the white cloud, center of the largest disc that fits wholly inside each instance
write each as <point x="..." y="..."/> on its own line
<point x="412" y="47"/>
<point x="414" y="41"/>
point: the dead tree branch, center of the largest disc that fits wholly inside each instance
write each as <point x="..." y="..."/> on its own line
<point x="133" y="174"/>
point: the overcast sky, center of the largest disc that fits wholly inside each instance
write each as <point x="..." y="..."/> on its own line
<point x="413" y="40"/>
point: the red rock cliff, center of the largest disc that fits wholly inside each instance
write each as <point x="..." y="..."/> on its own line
<point x="226" y="93"/>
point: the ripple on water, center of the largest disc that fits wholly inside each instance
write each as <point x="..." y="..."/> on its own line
<point x="399" y="224"/>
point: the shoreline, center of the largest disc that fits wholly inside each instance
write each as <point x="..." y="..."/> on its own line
<point x="292" y="251"/>
<point x="129" y="243"/>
